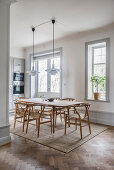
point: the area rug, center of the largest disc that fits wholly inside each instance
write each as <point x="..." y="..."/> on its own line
<point x="58" y="141"/>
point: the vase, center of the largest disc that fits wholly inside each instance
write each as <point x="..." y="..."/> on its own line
<point x="97" y="95"/>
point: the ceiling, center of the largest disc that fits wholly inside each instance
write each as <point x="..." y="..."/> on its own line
<point x="73" y="16"/>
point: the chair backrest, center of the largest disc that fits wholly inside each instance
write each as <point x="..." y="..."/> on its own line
<point x="20" y="107"/>
<point x="21" y="97"/>
<point x="35" y="110"/>
<point x="86" y="106"/>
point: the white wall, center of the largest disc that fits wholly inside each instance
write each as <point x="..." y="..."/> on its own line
<point x="17" y="52"/>
<point x="4" y="54"/>
<point x="74" y="65"/>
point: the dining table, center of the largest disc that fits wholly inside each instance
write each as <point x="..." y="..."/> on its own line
<point x="55" y="105"/>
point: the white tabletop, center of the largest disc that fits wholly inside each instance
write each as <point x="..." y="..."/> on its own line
<point x="59" y="103"/>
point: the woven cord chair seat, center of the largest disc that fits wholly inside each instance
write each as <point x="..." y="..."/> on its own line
<point x="35" y="114"/>
<point x="21" y="111"/>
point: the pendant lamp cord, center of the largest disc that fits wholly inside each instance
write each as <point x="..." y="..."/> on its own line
<point x="53" y="22"/>
<point x="42" y="24"/>
<point x="33" y="29"/>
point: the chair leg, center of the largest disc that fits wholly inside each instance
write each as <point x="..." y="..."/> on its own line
<point x="27" y="125"/>
<point x="15" y="122"/>
<point x="15" y="114"/>
<point x="51" y="122"/>
<point x="68" y="117"/>
<point x="55" y="119"/>
<point x="75" y="124"/>
<point x="87" y="115"/>
<point x="89" y="125"/>
<point x="28" y="121"/>
<point x="15" y="119"/>
<point x="68" y="122"/>
<point x="80" y="129"/>
<point x="23" y="122"/>
<point x="64" y="116"/>
<point x="65" y="123"/>
<point x="38" y="126"/>
<point x="74" y="110"/>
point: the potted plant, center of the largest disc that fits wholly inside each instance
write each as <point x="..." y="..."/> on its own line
<point x="98" y="82"/>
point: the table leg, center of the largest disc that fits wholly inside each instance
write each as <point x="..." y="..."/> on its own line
<point x="68" y="117"/>
<point x="53" y="120"/>
<point x="87" y="114"/>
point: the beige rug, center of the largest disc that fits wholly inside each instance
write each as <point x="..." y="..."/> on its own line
<point x="58" y="141"/>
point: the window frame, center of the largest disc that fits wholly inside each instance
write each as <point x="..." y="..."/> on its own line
<point x="41" y="54"/>
<point x="107" y="40"/>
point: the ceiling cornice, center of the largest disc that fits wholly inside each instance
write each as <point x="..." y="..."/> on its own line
<point x="8" y="1"/>
<point x="13" y="1"/>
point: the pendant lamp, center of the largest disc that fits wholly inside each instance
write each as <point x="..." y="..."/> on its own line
<point x="32" y="72"/>
<point x="53" y="70"/>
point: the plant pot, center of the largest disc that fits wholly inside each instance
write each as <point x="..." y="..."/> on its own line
<point x="97" y="96"/>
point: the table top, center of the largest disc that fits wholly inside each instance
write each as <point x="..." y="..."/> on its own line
<point x="56" y="103"/>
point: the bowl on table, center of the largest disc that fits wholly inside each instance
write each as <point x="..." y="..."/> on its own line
<point x="50" y="100"/>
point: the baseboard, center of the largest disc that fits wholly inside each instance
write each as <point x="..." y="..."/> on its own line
<point x="106" y="118"/>
<point x="5" y="135"/>
<point x="5" y="140"/>
<point x="102" y="121"/>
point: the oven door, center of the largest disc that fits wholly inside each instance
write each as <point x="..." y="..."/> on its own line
<point x="17" y="89"/>
<point x="18" y="76"/>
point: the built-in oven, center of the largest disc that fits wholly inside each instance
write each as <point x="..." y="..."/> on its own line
<point x="18" y="89"/>
<point x="18" y="76"/>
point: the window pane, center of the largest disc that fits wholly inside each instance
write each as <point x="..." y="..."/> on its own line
<point x="56" y="62"/>
<point x="55" y="83"/>
<point x="32" y="86"/>
<point x="97" y="51"/>
<point x="100" y="55"/>
<point x="100" y="70"/>
<point x="104" y="51"/>
<point x="55" y="79"/>
<point x="42" y="76"/>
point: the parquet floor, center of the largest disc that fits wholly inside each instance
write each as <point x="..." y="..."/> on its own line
<point x="22" y="154"/>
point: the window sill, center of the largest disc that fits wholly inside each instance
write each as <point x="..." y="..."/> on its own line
<point x="107" y="101"/>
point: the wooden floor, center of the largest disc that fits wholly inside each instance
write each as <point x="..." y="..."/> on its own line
<point x="22" y="154"/>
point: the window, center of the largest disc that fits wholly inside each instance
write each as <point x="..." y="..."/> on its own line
<point x="97" y="70"/>
<point x="55" y="79"/>
<point x="45" y="84"/>
<point x="42" y="77"/>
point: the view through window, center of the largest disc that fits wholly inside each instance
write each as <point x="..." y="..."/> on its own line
<point x="42" y="77"/>
<point x="46" y="81"/>
<point x="45" y="84"/>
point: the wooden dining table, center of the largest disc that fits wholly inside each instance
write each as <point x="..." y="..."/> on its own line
<point x="55" y="105"/>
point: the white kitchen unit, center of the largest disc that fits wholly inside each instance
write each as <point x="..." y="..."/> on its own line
<point x="16" y="80"/>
